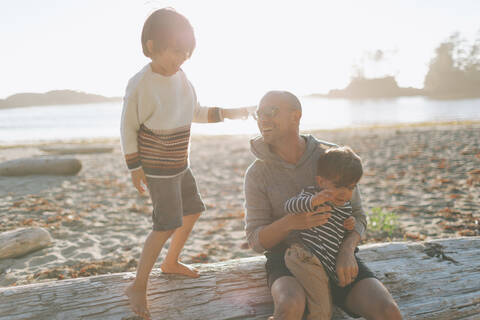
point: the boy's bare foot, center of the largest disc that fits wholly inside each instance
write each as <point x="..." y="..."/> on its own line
<point x="138" y="301"/>
<point x="179" y="268"/>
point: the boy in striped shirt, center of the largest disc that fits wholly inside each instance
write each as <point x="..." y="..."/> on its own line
<point x="338" y="171"/>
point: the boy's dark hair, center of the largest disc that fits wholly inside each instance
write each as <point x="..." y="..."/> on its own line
<point x="166" y="27"/>
<point x="340" y="165"/>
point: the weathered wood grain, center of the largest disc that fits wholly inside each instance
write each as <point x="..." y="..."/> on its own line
<point x="439" y="279"/>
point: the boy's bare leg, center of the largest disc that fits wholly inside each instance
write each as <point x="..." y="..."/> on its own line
<point x="171" y="263"/>
<point x="137" y="290"/>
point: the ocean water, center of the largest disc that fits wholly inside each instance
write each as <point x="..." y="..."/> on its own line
<point x="102" y="120"/>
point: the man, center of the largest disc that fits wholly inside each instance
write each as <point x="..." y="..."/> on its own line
<point x="286" y="162"/>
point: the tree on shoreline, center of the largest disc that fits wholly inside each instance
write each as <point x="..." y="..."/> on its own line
<point x="455" y="70"/>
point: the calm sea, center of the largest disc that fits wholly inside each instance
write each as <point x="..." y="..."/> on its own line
<point x="62" y="122"/>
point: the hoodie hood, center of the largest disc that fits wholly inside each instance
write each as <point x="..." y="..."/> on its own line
<point x="261" y="150"/>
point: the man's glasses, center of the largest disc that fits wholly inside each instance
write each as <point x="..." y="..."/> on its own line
<point x="266" y="114"/>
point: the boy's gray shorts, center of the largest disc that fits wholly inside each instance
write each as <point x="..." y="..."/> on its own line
<point x="173" y="198"/>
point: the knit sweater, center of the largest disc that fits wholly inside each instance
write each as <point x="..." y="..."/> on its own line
<point x="155" y="126"/>
<point x="324" y="241"/>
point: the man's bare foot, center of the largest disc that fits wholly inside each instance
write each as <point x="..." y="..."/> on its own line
<point x="179" y="268"/>
<point x="138" y="301"/>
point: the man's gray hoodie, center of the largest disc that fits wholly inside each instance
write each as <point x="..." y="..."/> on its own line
<point x="270" y="182"/>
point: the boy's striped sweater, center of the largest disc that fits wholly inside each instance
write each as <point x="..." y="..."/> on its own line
<point x="324" y="241"/>
<point x="156" y="120"/>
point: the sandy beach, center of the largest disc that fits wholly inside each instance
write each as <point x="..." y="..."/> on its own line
<point x="428" y="175"/>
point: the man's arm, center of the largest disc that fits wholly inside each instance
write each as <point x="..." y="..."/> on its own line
<point x="358" y="213"/>
<point x="263" y="232"/>
<point x="258" y="212"/>
<point x="347" y="267"/>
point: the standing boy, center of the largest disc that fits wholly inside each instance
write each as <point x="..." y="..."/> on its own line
<point x="159" y="107"/>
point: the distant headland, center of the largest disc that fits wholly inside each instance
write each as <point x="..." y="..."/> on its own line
<point x="387" y="87"/>
<point x="377" y="88"/>
<point x="54" y="97"/>
<point x="453" y="73"/>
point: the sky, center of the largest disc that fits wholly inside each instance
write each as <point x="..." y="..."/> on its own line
<point x="244" y="48"/>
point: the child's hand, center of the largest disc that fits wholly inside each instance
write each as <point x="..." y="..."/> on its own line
<point x="322" y="197"/>
<point x="349" y="223"/>
<point x="251" y="110"/>
<point x="138" y="177"/>
<point x="237" y="113"/>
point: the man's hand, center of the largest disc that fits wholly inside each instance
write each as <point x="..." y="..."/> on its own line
<point x="138" y="177"/>
<point x="347" y="267"/>
<point x="309" y="220"/>
<point x="349" y="223"/>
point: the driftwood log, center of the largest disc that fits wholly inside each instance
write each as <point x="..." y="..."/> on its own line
<point x="438" y="279"/>
<point x="77" y="149"/>
<point x="21" y="241"/>
<point x="46" y="165"/>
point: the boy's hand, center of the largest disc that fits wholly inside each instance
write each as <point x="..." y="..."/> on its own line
<point x="237" y="113"/>
<point x="349" y="223"/>
<point x="321" y="197"/>
<point x="138" y="177"/>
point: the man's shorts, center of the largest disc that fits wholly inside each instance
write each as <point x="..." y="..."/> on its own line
<point x="172" y="199"/>
<point x="277" y="268"/>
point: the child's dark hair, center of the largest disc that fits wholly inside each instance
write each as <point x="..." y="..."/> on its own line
<point x="340" y="165"/>
<point x="166" y="27"/>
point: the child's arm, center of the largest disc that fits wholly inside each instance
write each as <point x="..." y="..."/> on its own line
<point x="299" y="204"/>
<point x="349" y="223"/>
<point x="215" y="114"/>
<point x="129" y="126"/>
<point x="238" y="113"/>
<point x="306" y="201"/>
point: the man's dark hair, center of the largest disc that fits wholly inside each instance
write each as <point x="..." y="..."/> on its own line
<point x="166" y="27"/>
<point x="340" y="165"/>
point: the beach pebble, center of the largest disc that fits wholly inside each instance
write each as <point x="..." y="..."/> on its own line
<point x="46" y="165"/>
<point x="19" y="242"/>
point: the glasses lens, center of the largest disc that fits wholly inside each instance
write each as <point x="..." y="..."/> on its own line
<point x="268" y="114"/>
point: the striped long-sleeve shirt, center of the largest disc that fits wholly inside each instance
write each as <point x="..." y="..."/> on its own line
<point x="324" y="241"/>
<point x="155" y="127"/>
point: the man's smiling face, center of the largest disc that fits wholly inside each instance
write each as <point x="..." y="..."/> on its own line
<point x="275" y="118"/>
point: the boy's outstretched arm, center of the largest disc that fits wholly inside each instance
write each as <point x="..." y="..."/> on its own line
<point x="238" y="113"/>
